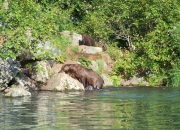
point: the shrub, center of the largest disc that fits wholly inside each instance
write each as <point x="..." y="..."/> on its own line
<point x="114" y="52"/>
<point x="85" y="62"/>
<point x="116" y="80"/>
<point x="100" y="66"/>
<point x="125" y="66"/>
<point x="60" y="59"/>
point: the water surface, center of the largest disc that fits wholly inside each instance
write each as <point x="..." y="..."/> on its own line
<point x="141" y="108"/>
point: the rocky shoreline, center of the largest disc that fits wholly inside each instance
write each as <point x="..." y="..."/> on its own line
<point x="23" y="77"/>
<point x="17" y="81"/>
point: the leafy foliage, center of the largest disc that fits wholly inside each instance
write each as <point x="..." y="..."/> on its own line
<point x="85" y="62"/>
<point x="27" y="23"/>
<point x="60" y="59"/>
<point x="114" y="52"/>
<point x="175" y="77"/>
<point x="116" y="80"/>
<point x="125" y="66"/>
<point x="100" y="66"/>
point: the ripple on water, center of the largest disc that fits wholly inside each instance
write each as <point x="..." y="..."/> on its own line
<point x="113" y="108"/>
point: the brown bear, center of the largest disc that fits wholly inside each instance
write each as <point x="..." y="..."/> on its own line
<point x="87" y="40"/>
<point x="87" y="77"/>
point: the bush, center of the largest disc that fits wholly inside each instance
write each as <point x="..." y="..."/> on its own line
<point x="114" y="52"/>
<point x="84" y="62"/>
<point x="116" y="80"/>
<point x="175" y="77"/>
<point x="60" y="59"/>
<point x="100" y="66"/>
<point x="126" y="66"/>
<point x="26" y="23"/>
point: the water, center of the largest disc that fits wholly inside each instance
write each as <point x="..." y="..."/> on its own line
<point x="141" y="108"/>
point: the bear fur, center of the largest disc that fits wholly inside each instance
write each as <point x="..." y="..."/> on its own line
<point x="87" y="40"/>
<point x="87" y="77"/>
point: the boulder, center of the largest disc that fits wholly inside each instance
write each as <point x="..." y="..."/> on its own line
<point x="74" y="37"/>
<point x="90" y="49"/>
<point x="47" y="48"/>
<point x="107" y="81"/>
<point x="98" y="65"/>
<point x="136" y="80"/>
<point x="62" y="82"/>
<point x="26" y="82"/>
<point x="41" y="71"/>
<point x="43" y="47"/>
<point x="16" y="91"/>
<point x="8" y="70"/>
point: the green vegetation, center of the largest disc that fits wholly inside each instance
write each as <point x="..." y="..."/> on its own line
<point x="60" y="59"/>
<point x="85" y="62"/>
<point x="116" y="80"/>
<point x="152" y="26"/>
<point x="40" y="69"/>
<point x="100" y="68"/>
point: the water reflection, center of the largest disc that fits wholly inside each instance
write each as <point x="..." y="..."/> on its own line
<point x="112" y="108"/>
<point x="16" y="113"/>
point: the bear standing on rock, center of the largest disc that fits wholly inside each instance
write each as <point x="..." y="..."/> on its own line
<point x="87" y="77"/>
<point x="87" y="40"/>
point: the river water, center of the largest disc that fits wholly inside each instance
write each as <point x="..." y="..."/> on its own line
<point x="139" y="108"/>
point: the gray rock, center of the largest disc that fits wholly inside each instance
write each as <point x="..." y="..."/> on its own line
<point x="26" y="82"/>
<point x="90" y="49"/>
<point x="43" y="47"/>
<point x="41" y="71"/>
<point x="136" y="80"/>
<point x="62" y="82"/>
<point x="74" y="37"/>
<point x="125" y="82"/>
<point x="98" y="65"/>
<point x="17" y="91"/>
<point x="107" y="80"/>
<point x="47" y="47"/>
<point x="8" y="70"/>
